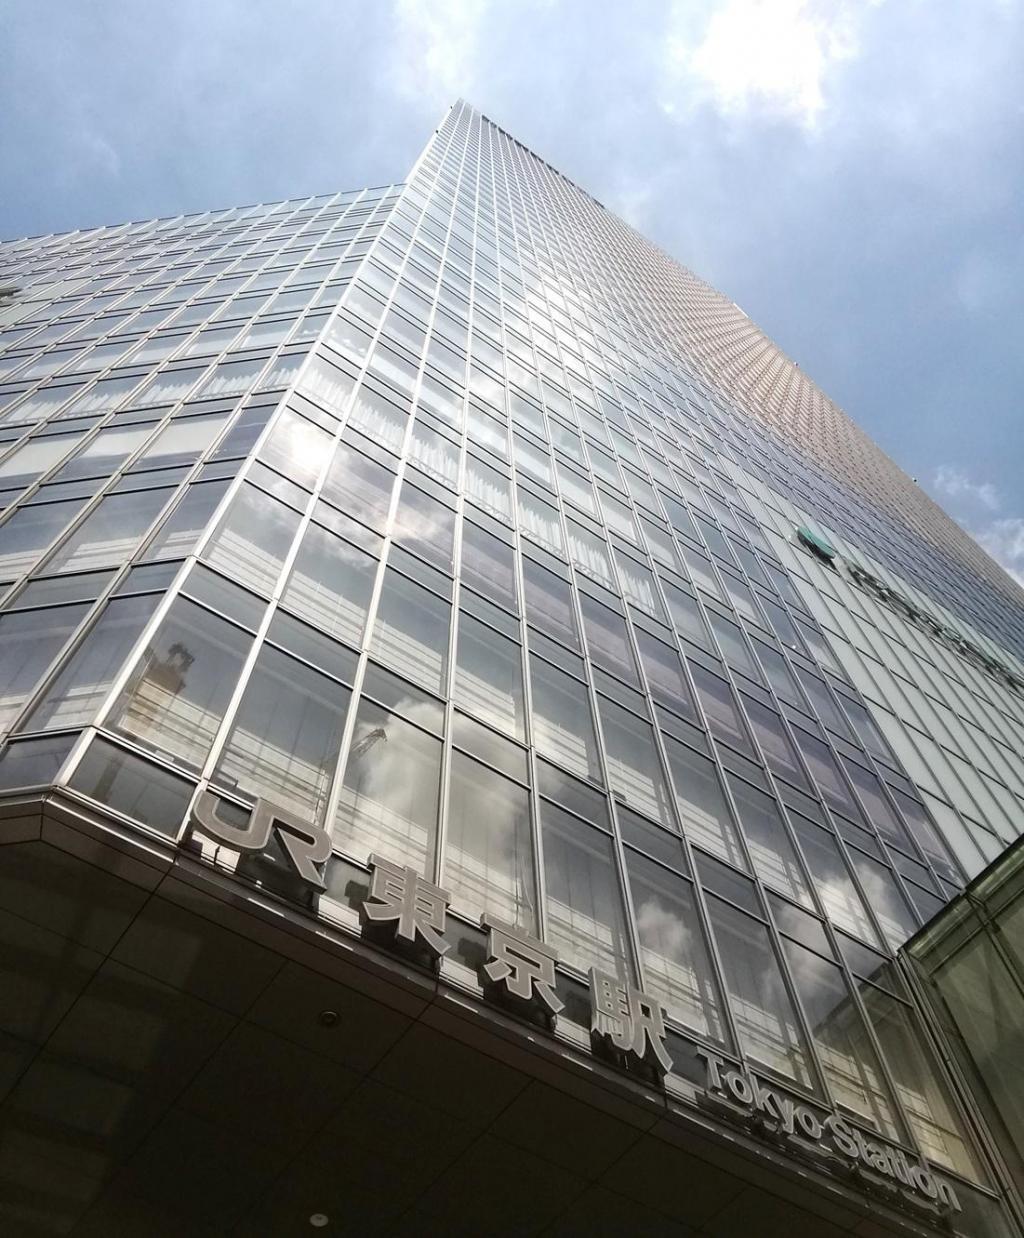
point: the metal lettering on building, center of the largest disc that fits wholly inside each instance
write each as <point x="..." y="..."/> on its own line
<point x="405" y="912"/>
<point x="771" y="1112"/>
<point x="305" y="845"/>
<point x="520" y="971"/>
<point x="627" y="1027"/>
<point x="938" y="631"/>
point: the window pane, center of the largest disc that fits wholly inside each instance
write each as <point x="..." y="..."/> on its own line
<point x="252" y="539"/>
<point x="673" y="953"/>
<point x="488" y="487"/>
<point x="434" y="453"/>
<point x="549" y="603"/>
<point x="411" y="631"/>
<point x="378" y="418"/>
<point x="177" y="694"/>
<point x="822" y="701"/>
<point x="825" y="772"/>
<point x="634" y="769"/>
<point x="109" y="534"/>
<point x="425" y="526"/>
<point x="229" y="378"/>
<point x="539" y="520"/>
<point x="488" y="564"/>
<point x="576" y="489"/>
<point x="686" y="616"/>
<point x="779" y="674"/>
<point x="832" y="880"/>
<point x="359" y="486"/>
<point x="296" y="448"/>
<point x="328" y="384"/>
<point x="489" y="676"/>
<point x="585" y="920"/>
<point x="707" y="820"/>
<point x="29" y="531"/>
<point x="285" y="739"/>
<point x="733" y="646"/>
<point x="30" y="640"/>
<point x="880" y="812"/>
<point x="774" y="856"/>
<point x="106" y="452"/>
<point x="34" y="762"/>
<point x="134" y="786"/>
<point x="607" y="640"/>
<point x="562" y="726"/>
<point x="663" y="668"/>
<point x="180" y="531"/>
<point x="388" y="801"/>
<point x="719" y="703"/>
<point x="78" y="691"/>
<point x="33" y="458"/>
<point x="778" y="751"/>
<point x="885" y="899"/>
<point x="589" y="552"/>
<point x="331" y="583"/>
<point x="847" y="1055"/>
<point x="765" y="1019"/>
<point x="638" y="586"/>
<point x="183" y="441"/>
<point x="488" y="863"/>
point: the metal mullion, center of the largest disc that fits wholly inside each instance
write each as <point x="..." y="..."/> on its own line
<point x="852" y="986"/>
<point x="83" y="440"/>
<point x="88" y="506"/>
<point x="621" y="875"/>
<point x="270" y="611"/>
<point x="629" y="916"/>
<point x="773" y="934"/>
<point x="532" y="757"/>
<point x="191" y="559"/>
<point x="623" y="879"/>
<point x="337" y="783"/>
<point x="699" y="897"/>
<point x="56" y="663"/>
<point x="75" y="640"/>
<point x="122" y="677"/>
<point x="453" y="633"/>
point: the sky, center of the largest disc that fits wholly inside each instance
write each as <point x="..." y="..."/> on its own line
<point x="849" y="172"/>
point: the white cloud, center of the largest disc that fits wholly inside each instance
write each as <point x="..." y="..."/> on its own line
<point x="770" y="55"/>
<point x="437" y="48"/>
<point x="1001" y="536"/>
<point x="953" y="483"/>
<point x="1004" y="541"/>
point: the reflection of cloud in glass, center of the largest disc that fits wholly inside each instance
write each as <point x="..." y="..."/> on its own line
<point x="660" y="927"/>
<point x="488" y="854"/>
<point x="388" y="801"/>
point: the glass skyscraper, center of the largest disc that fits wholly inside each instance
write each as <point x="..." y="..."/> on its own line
<point x="478" y="726"/>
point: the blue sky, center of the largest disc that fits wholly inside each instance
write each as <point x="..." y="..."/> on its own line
<point x="850" y="172"/>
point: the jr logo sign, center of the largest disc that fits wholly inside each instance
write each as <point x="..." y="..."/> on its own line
<point x="305" y="845"/>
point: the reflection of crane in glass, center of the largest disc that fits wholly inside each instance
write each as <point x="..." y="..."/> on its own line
<point x="360" y="749"/>
<point x="170" y="672"/>
<point x="358" y="770"/>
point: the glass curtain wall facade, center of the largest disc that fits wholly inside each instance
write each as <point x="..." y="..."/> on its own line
<point x="970" y="959"/>
<point x="460" y="520"/>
